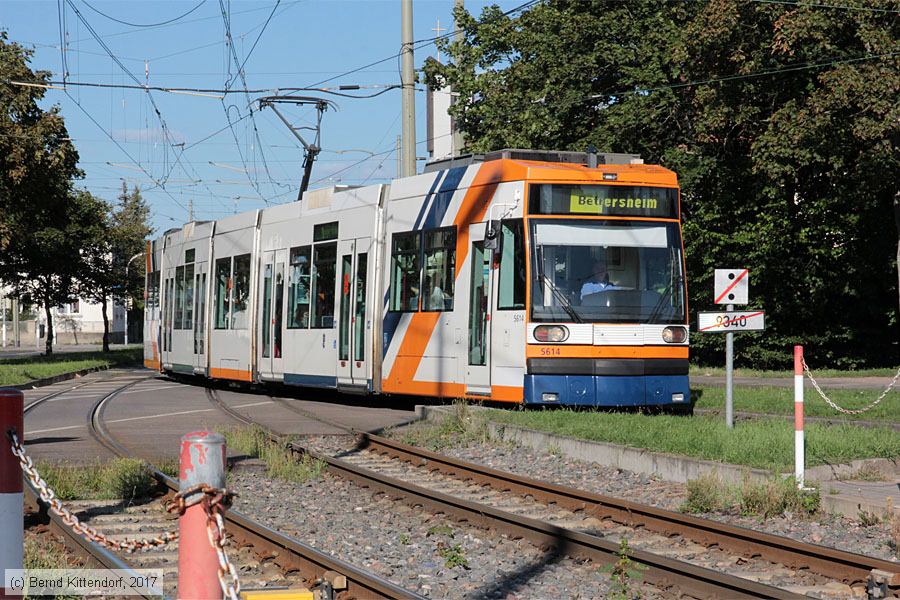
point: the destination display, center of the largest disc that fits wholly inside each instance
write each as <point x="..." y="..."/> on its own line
<point x="603" y="200"/>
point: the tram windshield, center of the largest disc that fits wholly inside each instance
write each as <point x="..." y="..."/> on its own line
<point x="601" y="271"/>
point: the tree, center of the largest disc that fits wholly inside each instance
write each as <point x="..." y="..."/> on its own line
<point x="97" y="275"/>
<point x="781" y="121"/>
<point x="131" y="228"/>
<point x="37" y="165"/>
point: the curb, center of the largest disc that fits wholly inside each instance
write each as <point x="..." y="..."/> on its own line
<point x="671" y="467"/>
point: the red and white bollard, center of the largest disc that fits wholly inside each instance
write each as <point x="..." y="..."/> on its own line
<point x="12" y="515"/>
<point x="799" y="443"/>
<point x="202" y="462"/>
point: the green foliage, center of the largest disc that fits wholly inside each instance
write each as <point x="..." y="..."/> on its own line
<point x="768" y="498"/>
<point x="760" y="443"/>
<point x="622" y="573"/>
<point x="22" y="370"/>
<point x="444" y="530"/>
<point x="705" y="494"/>
<point x="281" y="463"/>
<point x="461" y="427"/>
<point x="453" y="555"/>
<point x="404" y="539"/>
<point x="779" y="119"/>
<point x="119" y="479"/>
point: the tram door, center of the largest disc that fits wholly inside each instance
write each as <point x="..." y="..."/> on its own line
<point x="353" y="324"/>
<point x="200" y="309"/>
<point x="271" y="327"/>
<point x="167" y="316"/>
<point x="478" y="369"/>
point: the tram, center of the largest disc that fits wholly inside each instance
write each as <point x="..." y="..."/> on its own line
<point x="521" y="276"/>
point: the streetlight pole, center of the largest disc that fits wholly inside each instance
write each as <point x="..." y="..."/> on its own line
<point x="128" y="264"/>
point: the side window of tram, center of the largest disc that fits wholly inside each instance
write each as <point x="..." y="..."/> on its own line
<point x="298" y="288"/>
<point x="512" y="266"/>
<point x="223" y="292"/>
<point x="405" y="272"/>
<point x="440" y="269"/>
<point x="240" y="293"/>
<point x="324" y="263"/>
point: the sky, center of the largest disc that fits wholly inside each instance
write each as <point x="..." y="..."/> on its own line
<point x="207" y="153"/>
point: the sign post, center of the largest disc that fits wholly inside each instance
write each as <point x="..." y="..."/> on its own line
<point x="731" y="287"/>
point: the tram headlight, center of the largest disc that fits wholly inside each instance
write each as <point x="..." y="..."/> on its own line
<point x="674" y="335"/>
<point x="551" y="333"/>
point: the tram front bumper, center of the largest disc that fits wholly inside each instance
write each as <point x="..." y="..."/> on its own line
<point x="632" y="382"/>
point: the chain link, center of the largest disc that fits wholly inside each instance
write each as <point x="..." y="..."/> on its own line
<point x="848" y="411"/>
<point x="86" y="531"/>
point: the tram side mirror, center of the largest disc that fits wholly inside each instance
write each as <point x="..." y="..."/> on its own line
<point x="492" y="235"/>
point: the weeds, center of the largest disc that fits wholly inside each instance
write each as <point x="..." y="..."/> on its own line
<point x="772" y="497"/>
<point x="892" y="519"/>
<point x="440" y="530"/>
<point x="867" y="519"/>
<point x="869" y="472"/>
<point x="404" y="539"/>
<point x="461" y="427"/>
<point x="622" y="572"/>
<point x="453" y="555"/>
<point x="41" y="552"/>
<point x="706" y="494"/>
<point x="119" y="479"/>
<point x="281" y="463"/>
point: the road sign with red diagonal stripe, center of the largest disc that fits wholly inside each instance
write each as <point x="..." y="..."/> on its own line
<point x="732" y="286"/>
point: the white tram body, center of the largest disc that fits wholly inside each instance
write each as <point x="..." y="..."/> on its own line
<point x="393" y="288"/>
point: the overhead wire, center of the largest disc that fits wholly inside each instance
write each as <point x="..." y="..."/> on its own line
<point x="178" y="18"/>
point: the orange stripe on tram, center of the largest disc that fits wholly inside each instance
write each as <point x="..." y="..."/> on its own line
<point x="235" y="374"/>
<point x="422" y="324"/>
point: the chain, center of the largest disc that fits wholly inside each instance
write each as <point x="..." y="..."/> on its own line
<point x="86" y="531"/>
<point x="847" y="411"/>
<point x="213" y="500"/>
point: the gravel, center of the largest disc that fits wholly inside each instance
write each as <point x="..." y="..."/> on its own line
<point x="406" y="544"/>
<point x="827" y="530"/>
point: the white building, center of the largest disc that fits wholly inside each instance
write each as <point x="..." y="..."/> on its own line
<point x="78" y="322"/>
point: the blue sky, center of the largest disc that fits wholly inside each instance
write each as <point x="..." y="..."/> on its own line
<point x="305" y="42"/>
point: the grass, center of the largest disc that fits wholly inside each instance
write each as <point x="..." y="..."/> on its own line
<point x="118" y="479"/>
<point x="280" y="462"/>
<point x="461" y="427"/>
<point x="769" y="498"/>
<point x="760" y="443"/>
<point x="698" y="371"/>
<point x="15" y="371"/>
<point x="780" y="401"/>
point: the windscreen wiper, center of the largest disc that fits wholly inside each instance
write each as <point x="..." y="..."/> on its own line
<point x="561" y="297"/>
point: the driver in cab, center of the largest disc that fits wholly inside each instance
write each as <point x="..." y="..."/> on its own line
<point x="599" y="280"/>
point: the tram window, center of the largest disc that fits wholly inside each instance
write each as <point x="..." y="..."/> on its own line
<point x="188" y="297"/>
<point x="512" y="266"/>
<point x="179" y="297"/>
<point x="325" y="231"/>
<point x="359" y="320"/>
<point x="405" y="272"/>
<point x="324" y="259"/>
<point x="298" y="289"/>
<point x="440" y="269"/>
<point x="240" y="295"/>
<point x="223" y="292"/>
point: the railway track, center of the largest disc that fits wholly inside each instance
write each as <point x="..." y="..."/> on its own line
<point x="288" y="554"/>
<point x="376" y="464"/>
<point x="663" y="571"/>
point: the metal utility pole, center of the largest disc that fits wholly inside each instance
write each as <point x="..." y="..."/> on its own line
<point x="310" y="149"/>
<point x="15" y="311"/>
<point x="3" y="308"/>
<point x="729" y="376"/>
<point x="400" y="158"/>
<point x="407" y="80"/>
<point x="458" y="142"/>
